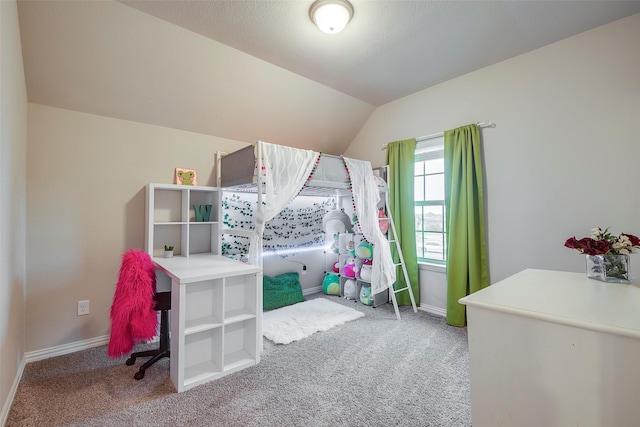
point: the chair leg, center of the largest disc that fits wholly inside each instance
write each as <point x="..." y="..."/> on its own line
<point x="160" y="353"/>
<point x="132" y="359"/>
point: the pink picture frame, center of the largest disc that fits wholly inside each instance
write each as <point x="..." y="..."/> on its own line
<point x="186" y="176"/>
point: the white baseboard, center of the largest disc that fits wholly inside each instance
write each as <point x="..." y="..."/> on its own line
<point x="12" y="394"/>
<point x="432" y="309"/>
<point x="60" y="350"/>
<point x="46" y="353"/>
<point x="313" y="290"/>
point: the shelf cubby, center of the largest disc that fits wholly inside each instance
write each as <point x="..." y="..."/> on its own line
<point x="216" y="323"/>
<point x="171" y="219"/>
<point x="202" y="356"/>
<point x="239" y="344"/>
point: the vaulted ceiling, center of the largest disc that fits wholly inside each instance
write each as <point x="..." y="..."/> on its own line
<point x="259" y="69"/>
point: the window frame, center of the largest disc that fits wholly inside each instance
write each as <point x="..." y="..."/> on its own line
<point x="429" y="150"/>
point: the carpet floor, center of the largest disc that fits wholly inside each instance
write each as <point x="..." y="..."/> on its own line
<point x="372" y="371"/>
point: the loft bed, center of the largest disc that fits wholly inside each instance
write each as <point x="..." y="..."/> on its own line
<point x="238" y="174"/>
<point x="288" y="172"/>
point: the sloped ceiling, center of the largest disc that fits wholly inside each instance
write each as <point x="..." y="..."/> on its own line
<point x="259" y="69"/>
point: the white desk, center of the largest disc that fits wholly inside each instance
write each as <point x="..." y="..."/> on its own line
<point x="550" y="348"/>
<point x="216" y="317"/>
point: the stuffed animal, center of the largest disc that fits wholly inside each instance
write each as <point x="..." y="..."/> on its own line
<point x="364" y="250"/>
<point x="366" y="270"/>
<point x="351" y="247"/>
<point x="336" y="222"/>
<point x="336" y="267"/>
<point x="383" y="221"/>
<point x="350" y="289"/>
<point x="344" y="241"/>
<point x="349" y="268"/>
<point x="331" y="284"/>
<point x="335" y="246"/>
<point x="365" y="295"/>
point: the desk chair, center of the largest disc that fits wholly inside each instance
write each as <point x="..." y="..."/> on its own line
<point x="134" y="311"/>
<point x="163" y="305"/>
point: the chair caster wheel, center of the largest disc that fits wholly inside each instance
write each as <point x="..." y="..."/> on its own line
<point x="130" y="361"/>
<point x="139" y="375"/>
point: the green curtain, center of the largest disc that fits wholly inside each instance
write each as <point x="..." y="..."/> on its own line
<point x="401" y="159"/>
<point x="467" y="270"/>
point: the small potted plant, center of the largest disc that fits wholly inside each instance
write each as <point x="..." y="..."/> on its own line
<point x="168" y="251"/>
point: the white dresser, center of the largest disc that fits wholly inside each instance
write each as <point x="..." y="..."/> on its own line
<point x="549" y="348"/>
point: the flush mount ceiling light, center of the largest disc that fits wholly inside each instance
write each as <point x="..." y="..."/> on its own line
<point x="331" y="16"/>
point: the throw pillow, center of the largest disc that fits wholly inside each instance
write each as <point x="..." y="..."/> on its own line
<point x="281" y="290"/>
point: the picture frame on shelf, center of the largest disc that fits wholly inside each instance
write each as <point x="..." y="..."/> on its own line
<point x="186" y="176"/>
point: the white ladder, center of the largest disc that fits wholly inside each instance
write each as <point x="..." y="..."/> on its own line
<point x="393" y="239"/>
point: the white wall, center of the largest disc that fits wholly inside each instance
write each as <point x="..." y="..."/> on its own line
<point x="13" y="167"/>
<point x="310" y="278"/>
<point x="563" y="157"/>
<point x="561" y="110"/>
<point x="86" y="207"/>
<point x="109" y="59"/>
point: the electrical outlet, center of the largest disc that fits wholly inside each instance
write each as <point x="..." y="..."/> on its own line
<point x="83" y="307"/>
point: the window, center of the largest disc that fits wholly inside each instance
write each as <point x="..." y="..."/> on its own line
<point x="429" y="202"/>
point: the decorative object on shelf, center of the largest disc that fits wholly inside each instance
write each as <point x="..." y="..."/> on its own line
<point x="168" y="251"/>
<point x="349" y="268"/>
<point x="366" y="270"/>
<point x="383" y="221"/>
<point x="351" y="247"/>
<point x="202" y="212"/>
<point x="335" y="245"/>
<point x="331" y="284"/>
<point x="607" y="255"/>
<point x="364" y="250"/>
<point x="336" y="221"/>
<point x="186" y="176"/>
<point x="350" y="289"/>
<point x="343" y="240"/>
<point x="365" y="295"/>
<point x="336" y="267"/>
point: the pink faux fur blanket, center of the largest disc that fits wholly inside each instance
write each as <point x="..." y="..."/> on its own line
<point x="132" y="315"/>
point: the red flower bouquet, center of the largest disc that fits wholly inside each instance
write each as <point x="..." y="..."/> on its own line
<point x="607" y="255"/>
<point x="602" y="242"/>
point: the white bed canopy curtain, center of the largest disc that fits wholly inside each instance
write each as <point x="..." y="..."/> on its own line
<point x="366" y="196"/>
<point x="281" y="174"/>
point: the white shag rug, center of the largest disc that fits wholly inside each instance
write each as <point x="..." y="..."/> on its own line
<point x="294" y="322"/>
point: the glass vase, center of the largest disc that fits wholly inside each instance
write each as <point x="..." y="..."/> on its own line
<point x="610" y="268"/>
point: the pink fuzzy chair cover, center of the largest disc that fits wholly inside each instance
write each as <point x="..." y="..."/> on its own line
<point x="133" y="317"/>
